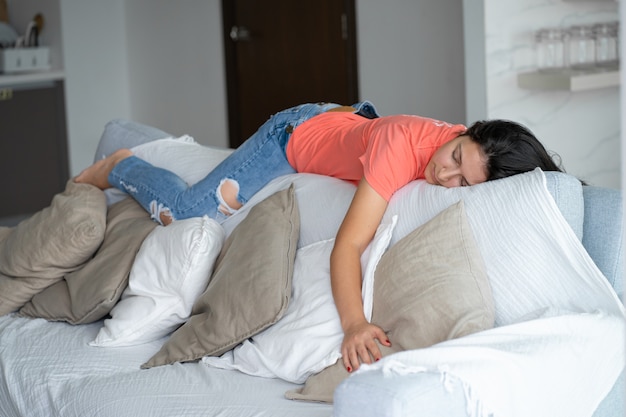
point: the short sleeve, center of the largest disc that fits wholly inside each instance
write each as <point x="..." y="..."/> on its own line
<point x="389" y="161"/>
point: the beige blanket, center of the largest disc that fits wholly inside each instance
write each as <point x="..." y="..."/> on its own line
<point x="71" y="261"/>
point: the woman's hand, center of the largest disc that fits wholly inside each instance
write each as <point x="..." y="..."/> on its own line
<point x="359" y="344"/>
<point x="356" y="232"/>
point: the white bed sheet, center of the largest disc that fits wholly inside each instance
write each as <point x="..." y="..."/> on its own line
<point x="48" y="369"/>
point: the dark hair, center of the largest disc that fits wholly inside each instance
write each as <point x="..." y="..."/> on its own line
<point x="510" y="148"/>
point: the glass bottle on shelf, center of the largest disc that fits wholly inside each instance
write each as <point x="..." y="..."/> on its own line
<point x="550" y="49"/>
<point x="605" y="35"/>
<point x="581" y="47"/>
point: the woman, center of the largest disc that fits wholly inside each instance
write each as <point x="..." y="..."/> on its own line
<point x="378" y="154"/>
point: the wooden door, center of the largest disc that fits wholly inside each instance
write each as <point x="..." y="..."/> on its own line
<point x="280" y="53"/>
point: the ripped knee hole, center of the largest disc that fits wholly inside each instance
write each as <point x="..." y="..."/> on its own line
<point x="227" y="192"/>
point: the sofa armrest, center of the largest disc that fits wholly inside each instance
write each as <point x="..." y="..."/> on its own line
<point x="428" y="394"/>
<point x="372" y="394"/>
<point x="603" y="232"/>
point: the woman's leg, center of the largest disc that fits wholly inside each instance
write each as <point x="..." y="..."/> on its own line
<point x="226" y="188"/>
<point x="165" y="195"/>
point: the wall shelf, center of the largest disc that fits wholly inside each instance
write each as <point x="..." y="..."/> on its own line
<point x="7" y="80"/>
<point x="569" y="80"/>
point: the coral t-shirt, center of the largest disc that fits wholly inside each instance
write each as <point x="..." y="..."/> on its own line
<point x="388" y="151"/>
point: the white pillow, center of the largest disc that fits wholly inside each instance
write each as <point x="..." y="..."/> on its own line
<point x="308" y="338"/>
<point x="171" y="269"/>
<point x="323" y="202"/>
<point x="528" y="257"/>
<point x="183" y="155"/>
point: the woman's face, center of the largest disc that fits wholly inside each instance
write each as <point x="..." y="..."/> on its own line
<point x="457" y="163"/>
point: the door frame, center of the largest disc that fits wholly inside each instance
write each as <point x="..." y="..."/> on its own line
<point x="230" y="59"/>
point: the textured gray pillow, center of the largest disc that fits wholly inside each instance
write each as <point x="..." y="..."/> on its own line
<point x="250" y="287"/>
<point x="121" y="133"/>
<point x="54" y="241"/>
<point x="429" y="287"/>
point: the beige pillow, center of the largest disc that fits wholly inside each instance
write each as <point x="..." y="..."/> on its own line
<point x="429" y="287"/>
<point x="321" y="386"/>
<point x="54" y="241"/>
<point x="88" y="294"/>
<point x="250" y="287"/>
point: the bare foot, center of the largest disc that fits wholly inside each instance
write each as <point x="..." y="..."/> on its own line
<point x="98" y="173"/>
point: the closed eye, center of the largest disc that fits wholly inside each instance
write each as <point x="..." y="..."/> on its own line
<point x="458" y="158"/>
<point x="456" y="155"/>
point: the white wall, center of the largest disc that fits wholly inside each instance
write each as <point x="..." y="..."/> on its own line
<point x="141" y="60"/>
<point x="411" y="57"/>
<point x="96" y="75"/>
<point x="176" y="67"/>
<point x="582" y="127"/>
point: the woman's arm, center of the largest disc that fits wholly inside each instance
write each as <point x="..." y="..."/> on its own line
<point x="356" y="232"/>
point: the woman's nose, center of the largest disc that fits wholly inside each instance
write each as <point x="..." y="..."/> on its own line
<point x="449" y="176"/>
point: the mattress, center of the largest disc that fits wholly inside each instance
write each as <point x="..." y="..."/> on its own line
<point x="48" y="369"/>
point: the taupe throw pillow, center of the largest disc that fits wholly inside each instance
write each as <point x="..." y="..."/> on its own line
<point x="432" y="286"/>
<point x="89" y="293"/>
<point x="429" y="287"/>
<point x="54" y="241"/>
<point x="250" y="287"/>
<point x="321" y="386"/>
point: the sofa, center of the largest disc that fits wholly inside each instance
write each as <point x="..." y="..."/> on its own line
<point x="516" y="308"/>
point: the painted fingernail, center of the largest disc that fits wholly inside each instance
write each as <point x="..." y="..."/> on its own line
<point x="349" y="369"/>
<point x="388" y="342"/>
<point x="377" y="359"/>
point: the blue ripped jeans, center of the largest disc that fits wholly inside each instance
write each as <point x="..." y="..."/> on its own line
<point x="255" y="163"/>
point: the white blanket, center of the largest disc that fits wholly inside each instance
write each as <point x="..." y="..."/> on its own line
<point x="553" y="366"/>
<point x="560" y="344"/>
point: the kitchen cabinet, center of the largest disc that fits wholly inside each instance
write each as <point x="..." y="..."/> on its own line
<point x="33" y="143"/>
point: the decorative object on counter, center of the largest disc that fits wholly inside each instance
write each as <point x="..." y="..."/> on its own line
<point x="31" y="35"/>
<point x="550" y="49"/>
<point x="23" y="53"/>
<point x="8" y="35"/>
<point x="606" y="36"/>
<point x="581" y="47"/>
<point x="15" y="60"/>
